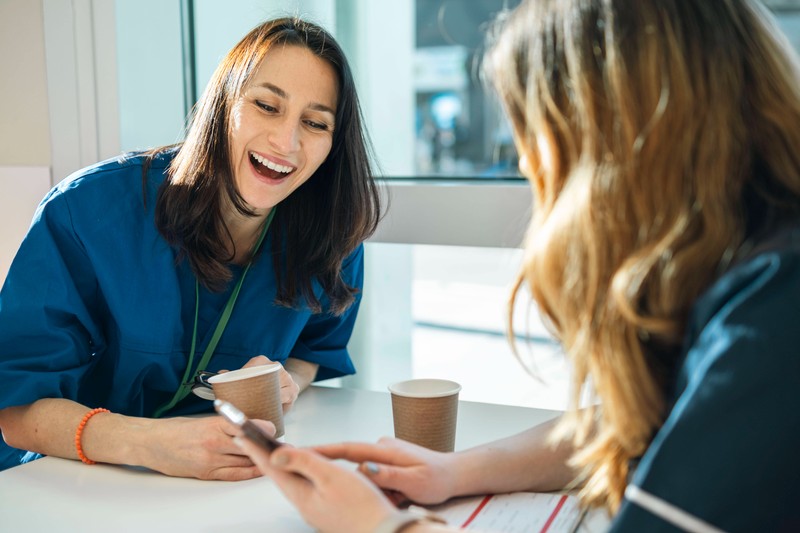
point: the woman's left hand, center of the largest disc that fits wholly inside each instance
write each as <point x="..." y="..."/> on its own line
<point x="289" y="388"/>
<point x="331" y="498"/>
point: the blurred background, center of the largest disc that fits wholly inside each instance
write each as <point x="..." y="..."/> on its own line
<point x="84" y="80"/>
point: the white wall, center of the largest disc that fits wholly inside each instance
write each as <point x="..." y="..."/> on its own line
<point x="24" y="127"/>
<point x="21" y="189"/>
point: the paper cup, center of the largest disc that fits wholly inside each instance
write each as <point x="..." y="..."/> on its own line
<point x="256" y="391"/>
<point x="425" y="412"/>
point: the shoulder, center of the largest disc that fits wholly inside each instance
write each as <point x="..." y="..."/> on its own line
<point x="355" y="259"/>
<point x="122" y="169"/>
<point x="726" y="453"/>
<point x="114" y="193"/>
<point x="757" y="299"/>
<point x="117" y="181"/>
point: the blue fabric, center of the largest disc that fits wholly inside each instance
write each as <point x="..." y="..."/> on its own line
<point x="94" y="308"/>
<point x="728" y="453"/>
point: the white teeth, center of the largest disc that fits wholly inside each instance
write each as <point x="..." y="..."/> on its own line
<point x="269" y="164"/>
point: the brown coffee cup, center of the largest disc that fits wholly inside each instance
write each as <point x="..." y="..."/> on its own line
<point x="255" y="390"/>
<point x="425" y="412"/>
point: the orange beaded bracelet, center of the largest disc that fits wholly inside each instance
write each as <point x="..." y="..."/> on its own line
<point x="79" y="433"/>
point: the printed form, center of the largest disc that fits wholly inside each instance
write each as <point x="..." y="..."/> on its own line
<point x="521" y="512"/>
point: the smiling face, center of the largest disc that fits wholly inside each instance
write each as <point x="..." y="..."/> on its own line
<point x="282" y="125"/>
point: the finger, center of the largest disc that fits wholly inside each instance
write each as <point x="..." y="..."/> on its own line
<point x="237" y="473"/>
<point x="286" y="378"/>
<point x="258" y="360"/>
<point x="289" y="395"/>
<point x="304" y="462"/>
<point x="397" y="498"/>
<point x="296" y="488"/>
<point x="386" y="451"/>
<point x="257" y="455"/>
<point x="390" y="477"/>
<point x="266" y="425"/>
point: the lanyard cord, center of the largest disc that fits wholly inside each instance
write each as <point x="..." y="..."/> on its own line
<point x="186" y="385"/>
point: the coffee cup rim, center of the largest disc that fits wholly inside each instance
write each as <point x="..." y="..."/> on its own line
<point x="244" y="373"/>
<point x="421" y="388"/>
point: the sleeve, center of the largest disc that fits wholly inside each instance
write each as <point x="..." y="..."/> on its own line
<point x="48" y="339"/>
<point x="324" y="338"/>
<point x="726" y="459"/>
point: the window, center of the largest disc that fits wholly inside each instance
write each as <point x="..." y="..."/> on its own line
<point x="438" y="270"/>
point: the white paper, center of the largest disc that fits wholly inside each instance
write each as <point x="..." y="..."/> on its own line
<point x="520" y="512"/>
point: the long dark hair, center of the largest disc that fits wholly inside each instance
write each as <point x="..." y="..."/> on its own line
<point x="317" y="226"/>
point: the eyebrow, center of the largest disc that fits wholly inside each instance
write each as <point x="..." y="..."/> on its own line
<point x="280" y="92"/>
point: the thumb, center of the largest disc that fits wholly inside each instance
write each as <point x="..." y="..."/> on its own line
<point x="302" y="462"/>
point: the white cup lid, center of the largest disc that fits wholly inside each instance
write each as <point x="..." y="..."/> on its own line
<point x="425" y="388"/>
<point x="244" y="373"/>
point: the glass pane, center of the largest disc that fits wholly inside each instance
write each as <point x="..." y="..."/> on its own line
<point x="416" y="64"/>
<point x="458" y="128"/>
<point x="459" y="306"/>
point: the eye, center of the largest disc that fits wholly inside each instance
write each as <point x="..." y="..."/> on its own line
<point x="266" y="107"/>
<point x="316" y="125"/>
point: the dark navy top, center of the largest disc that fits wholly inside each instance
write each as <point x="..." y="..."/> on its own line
<point x="94" y="308"/>
<point x="728" y="456"/>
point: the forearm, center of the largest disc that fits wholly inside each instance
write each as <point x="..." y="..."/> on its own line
<point x="302" y="372"/>
<point x="48" y="427"/>
<point x="523" y="462"/>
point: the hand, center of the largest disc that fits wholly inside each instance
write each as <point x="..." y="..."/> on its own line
<point x="289" y="389"/>
<point x="331" y="498"/>
<point x="416" y="473"/>
<point x="201" y="448"/>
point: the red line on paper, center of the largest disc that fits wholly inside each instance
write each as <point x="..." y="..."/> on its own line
<point x="554" y="514"/>
<point x="477" y="510"/>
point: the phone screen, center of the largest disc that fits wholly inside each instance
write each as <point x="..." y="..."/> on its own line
<point x="251" y="431"/>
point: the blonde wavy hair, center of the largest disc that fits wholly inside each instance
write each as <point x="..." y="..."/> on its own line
<point x="659" y="136"/>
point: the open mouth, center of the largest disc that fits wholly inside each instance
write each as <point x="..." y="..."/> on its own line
<point x="268" y="169"/>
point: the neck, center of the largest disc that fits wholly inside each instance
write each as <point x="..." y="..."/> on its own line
<point x="245" y="232"/>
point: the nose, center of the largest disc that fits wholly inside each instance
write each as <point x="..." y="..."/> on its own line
<point x="285" y="136"/>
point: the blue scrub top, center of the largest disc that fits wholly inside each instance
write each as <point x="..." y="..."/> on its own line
<point x="728" y="456"/>
<point x="94" y="308"/>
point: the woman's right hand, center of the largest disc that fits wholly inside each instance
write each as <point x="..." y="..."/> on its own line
<point x="200" y="448"/>
<point x="416" y="473"/>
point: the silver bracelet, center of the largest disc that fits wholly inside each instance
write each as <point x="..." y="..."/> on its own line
<point x="400" y="520"/>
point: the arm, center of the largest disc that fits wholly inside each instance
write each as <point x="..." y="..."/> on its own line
<point x="525" y="461"/>
<point x="184" y="447"/>
<point x="302" y="372"/>
<point x="323" y="341"/>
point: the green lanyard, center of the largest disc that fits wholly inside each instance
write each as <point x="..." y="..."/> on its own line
<point x="186" y="384"/>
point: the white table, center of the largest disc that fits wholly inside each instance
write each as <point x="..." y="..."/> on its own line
<point x="56" y="495"/>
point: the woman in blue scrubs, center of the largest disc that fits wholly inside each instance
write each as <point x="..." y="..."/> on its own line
<point x="241" y="245"/>
<point x="661" y="141"/>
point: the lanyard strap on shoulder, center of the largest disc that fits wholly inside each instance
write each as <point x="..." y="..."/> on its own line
<point x="185" y="386"/>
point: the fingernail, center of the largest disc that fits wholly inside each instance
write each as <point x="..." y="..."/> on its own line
<point x="279" y="459"/>
<point x="238" y="441"/>
<point x="371" y="468"/>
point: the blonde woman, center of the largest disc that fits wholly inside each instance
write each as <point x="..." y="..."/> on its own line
<point x="661" y="141"/>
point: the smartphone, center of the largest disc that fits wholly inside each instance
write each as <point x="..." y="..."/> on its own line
<point x="250" y="430"/>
